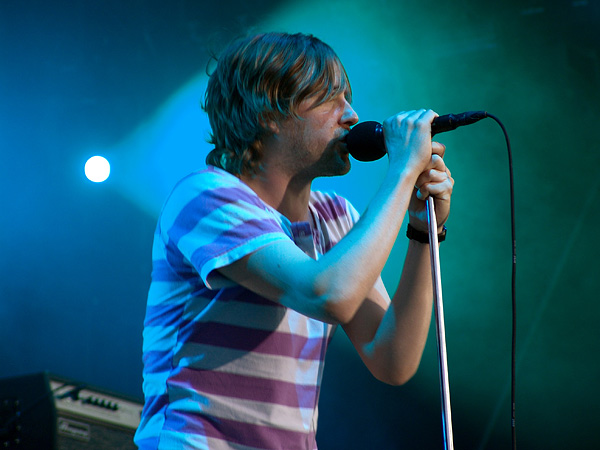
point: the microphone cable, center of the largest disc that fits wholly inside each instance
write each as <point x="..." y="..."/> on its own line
<point x="513" y="362"/>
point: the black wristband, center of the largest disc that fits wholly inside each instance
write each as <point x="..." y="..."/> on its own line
<point x="423" y="238"/>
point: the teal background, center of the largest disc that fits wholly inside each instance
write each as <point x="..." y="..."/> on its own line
<point x="124" y="79"/>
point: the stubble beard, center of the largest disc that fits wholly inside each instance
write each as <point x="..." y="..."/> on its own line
<point x="334" y="161"/>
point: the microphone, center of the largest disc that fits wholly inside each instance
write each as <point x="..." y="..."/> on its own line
<point x="365" y="140"/>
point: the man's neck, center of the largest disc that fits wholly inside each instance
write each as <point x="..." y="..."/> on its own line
<point x="288" y="195"/>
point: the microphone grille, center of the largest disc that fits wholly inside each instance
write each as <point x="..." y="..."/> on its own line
<point x="365" y="141"/>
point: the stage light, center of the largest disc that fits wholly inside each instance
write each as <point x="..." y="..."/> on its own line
<point x="97" y="169"/>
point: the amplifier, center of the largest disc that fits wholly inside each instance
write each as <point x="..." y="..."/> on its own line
<point x="43" y="411"/>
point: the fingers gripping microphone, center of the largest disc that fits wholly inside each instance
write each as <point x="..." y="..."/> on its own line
<point x="366" y="143"/>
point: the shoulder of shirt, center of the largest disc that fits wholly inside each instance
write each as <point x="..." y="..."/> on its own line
<point x="207" y="179"/>
<point x="209" y="175"/>
<point x="203" y="182"/>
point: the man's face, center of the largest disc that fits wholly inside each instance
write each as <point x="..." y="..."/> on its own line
<point x="314" y="141"/>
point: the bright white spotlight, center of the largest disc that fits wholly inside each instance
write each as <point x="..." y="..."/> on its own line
<point x="97" y="169"/>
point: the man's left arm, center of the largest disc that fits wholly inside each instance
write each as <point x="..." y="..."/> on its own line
<point x="390" y="334"/>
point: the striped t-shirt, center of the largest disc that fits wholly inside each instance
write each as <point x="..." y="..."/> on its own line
<point x="223" y="367"/>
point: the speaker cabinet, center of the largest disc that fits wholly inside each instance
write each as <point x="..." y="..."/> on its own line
<point x="43" y="411"/>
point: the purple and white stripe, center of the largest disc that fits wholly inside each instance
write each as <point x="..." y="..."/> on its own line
<point x="223" y="367"/>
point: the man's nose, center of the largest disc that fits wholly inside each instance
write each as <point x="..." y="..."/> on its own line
<point x="349" y="117"/>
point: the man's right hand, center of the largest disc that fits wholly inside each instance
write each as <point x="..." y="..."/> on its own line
<point x="408" y="140"/>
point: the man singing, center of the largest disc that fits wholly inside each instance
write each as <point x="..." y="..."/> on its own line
<point x="253" y="270"/>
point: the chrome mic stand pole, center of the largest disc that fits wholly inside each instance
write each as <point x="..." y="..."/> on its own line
<point x="440" y="329"/>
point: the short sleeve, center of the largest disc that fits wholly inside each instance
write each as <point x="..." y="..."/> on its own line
<point x="213" y="219"/>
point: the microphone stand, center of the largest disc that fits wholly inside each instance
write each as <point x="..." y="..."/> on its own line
<point x="440" y="329"/>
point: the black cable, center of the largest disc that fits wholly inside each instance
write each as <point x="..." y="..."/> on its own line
<point x="513" y="376"/>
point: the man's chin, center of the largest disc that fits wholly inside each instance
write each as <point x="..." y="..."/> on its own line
<point x="342" y="168"/>
<point x="346" y="168"/>
<point x="347" y="165"/>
